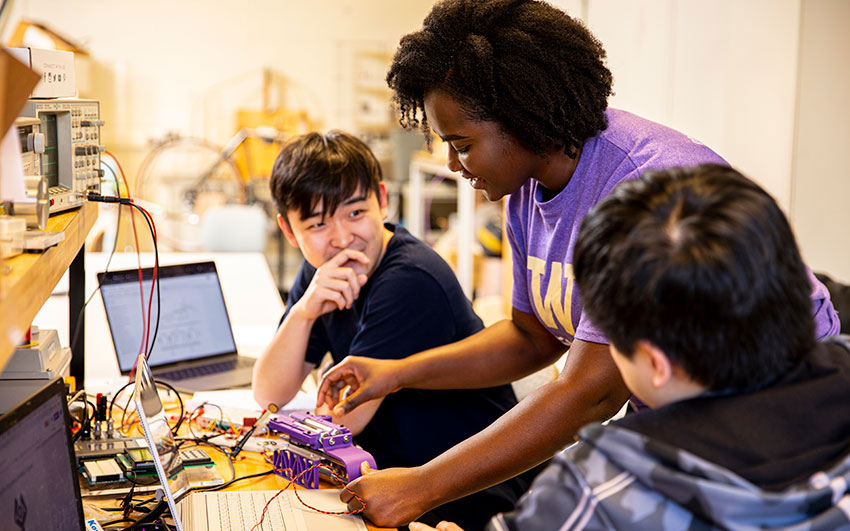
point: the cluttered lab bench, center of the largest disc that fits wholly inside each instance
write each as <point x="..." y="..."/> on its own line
<point x="309" y="448"/>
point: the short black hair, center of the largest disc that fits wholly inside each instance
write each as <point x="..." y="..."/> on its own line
<point x="702" y="263"/>
<point x="329" y="168"/>
<point x="523" y="64"/>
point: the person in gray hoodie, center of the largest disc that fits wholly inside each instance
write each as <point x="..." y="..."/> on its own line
<point x="695" y="277"/>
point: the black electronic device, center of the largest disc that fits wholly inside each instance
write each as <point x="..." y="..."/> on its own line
<point x="37" y="460"/>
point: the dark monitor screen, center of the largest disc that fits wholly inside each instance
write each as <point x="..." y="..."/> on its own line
<point x="39" y="488"/>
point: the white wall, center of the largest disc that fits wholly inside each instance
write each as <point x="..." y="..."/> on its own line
<point x="723" y="72"/>
<point x="763" y="82"/>
<point x="185" y="65"/>
<point x="821" y="192"/>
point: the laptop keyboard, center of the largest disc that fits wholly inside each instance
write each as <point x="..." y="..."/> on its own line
<point x="241" y="510"/>
<point x="205" y="370"/>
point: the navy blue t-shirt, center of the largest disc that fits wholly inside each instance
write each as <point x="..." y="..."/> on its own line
<point x="412" y="302"/>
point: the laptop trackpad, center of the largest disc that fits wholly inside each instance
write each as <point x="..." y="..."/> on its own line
<point x="240" y="377"/>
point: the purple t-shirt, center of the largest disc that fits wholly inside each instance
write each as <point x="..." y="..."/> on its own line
<point x="543" y="233"/>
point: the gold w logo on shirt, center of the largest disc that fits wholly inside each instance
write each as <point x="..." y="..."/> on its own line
<point x="557" y="303"/>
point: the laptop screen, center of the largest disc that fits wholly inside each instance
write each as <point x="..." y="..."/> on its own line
<point x="194" y="322"/>
<point x="164" y="450"/>
<point x="37" y="461"/>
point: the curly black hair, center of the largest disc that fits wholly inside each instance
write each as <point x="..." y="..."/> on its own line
<point x="524" y="64"/>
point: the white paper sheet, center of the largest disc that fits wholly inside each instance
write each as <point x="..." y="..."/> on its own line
<point x="243" y="399"/>
<point x="11" y="168"/>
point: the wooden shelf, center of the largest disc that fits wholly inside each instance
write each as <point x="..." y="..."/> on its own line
<point x="27" y="280"/>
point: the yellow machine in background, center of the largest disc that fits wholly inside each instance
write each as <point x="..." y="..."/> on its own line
<point x="189" y="177"/>
<point x="255" y="156"/>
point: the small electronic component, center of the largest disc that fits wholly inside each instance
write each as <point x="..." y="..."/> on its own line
<point x="195" y="457"/>
<point x="138" y="460"/>
<point x="101" y="471"/>
<point x="95" y="448"/>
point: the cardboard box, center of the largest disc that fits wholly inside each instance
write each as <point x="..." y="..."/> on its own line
<point x="16" y="82"/>
<point x="56" y="68"/>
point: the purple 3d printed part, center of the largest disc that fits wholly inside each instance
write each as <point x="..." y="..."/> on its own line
<point x="314" y="439"/>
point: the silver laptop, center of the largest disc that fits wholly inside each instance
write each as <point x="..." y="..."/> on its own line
<point x="194" y="348"/>
<point x="224" y="511"/>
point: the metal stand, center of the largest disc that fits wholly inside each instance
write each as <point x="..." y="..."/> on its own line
<point x="76" y="301"/>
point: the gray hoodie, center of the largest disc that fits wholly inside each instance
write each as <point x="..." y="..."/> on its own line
<point x="621" y="478"/>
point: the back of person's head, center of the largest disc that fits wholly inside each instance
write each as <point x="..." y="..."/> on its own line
<point x="524" y="64"/>
<point x="329" y="168"/>
<point x="702" y="263"/>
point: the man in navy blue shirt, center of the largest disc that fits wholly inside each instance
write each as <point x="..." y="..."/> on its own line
<point x="369" y="288"/>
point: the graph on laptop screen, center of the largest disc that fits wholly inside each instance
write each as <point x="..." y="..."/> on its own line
<point x="194" y="322"/>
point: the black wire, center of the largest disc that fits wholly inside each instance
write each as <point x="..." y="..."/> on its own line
<point x="117" y="521"/>
<point x="141" y="481"/>
<point x="191" y="431"/>
<point x="149" y="221"/>
<point x="108" y="262"/>
<point x="235" y="480"/>
<point x="86" y="419"/>
<point x="112" y="402"/>
<point x="220" y="419"/>
<point x="127" y="405"/>
<point x="182" y="409"/>
<point x="226" y="453"/>
<point x="117" y="185"/>
<point x="155" y="513"/>
<point x="156" y="269"/>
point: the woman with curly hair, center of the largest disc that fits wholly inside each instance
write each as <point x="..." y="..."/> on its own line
<point x="518" y="90"/>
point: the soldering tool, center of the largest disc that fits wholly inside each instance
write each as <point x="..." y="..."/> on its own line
<point x="272" y="409"/>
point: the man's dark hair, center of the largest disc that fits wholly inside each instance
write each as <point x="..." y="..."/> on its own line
<point x="329" y="168"/>
<point x="702" y="263"/>
<point x="524" y="64"/>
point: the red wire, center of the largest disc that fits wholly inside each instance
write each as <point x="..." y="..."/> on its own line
<point x="153" y="284"/>
<point x="292" y="484"/>
<point x="138" y="257"/>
